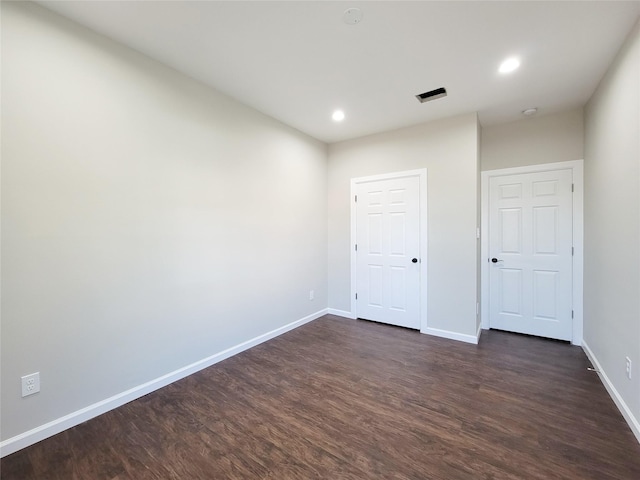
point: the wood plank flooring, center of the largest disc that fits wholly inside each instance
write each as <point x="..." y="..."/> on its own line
<point x="341" y="399"/>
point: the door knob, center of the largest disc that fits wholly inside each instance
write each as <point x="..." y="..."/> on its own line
<point x="414" y="260"/>
<point x="495" y="260"/>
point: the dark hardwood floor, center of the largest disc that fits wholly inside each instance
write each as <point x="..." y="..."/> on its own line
<point x="340" y="399"/>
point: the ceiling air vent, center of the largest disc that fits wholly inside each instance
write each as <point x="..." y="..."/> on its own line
<point x="432" y="95"/>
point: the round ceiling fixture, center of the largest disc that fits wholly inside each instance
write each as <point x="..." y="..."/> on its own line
<point x="509" y="65"/>
<point x="529" y="112"/>
<point x="352" y="16"/>
<point x="338" y="116"/>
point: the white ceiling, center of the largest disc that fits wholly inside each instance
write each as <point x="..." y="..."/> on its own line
<point x="297" y="61"/>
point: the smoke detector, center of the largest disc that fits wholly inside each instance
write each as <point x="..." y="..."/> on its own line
<point x="352" y="16"/>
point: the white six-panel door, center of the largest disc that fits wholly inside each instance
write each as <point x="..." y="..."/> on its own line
<point x="530" y="250"/>
<point x="388" y="251"/>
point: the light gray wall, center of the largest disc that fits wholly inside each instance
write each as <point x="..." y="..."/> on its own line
<point x="147" y="221"/>
<point x="612" y="222"/>
<point x="448" y="149"/>
<point x="531" y="141"/>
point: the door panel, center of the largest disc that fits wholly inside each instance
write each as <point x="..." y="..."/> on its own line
<point x="511" y="291"/>
<point x="545" y="288"/>
<point x="545" y="230"/>
<point x="397" y="297"/>
<point x="388" y="238"/>
<point x="375" y="286"/>
<point x="511" y="230"/>
<point x="530" y="230"/>
<point x="374" y="233"/>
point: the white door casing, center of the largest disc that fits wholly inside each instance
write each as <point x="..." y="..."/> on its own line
<point x="530" y="245"/>
<point x="531" y="222"/>
<point x="389" y="248"/>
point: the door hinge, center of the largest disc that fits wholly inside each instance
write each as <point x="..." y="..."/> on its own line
<point x="572" y="187"/>
<point x="356" y="247"/>
<point x="356" y="296"/>
<point x="572" y="251"/>
<point x="571" y="313"/>
<point x="356" y="199"/>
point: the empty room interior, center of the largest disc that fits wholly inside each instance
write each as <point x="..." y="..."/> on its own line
<point x="318" y="239"/>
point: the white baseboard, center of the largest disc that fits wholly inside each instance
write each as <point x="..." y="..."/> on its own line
<point x="631" y="420"/>
<point x="461" y="337"/>
<point x="429" y="331"/>
<point x="54" y="427"/>
<point x="341" y="313"/>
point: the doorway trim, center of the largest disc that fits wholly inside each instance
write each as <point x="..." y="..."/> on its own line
<point x="577" y="167"/>
<point x="422" y="178"/>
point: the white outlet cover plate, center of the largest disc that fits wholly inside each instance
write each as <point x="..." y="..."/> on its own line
<point x="30" y="384"/>
<point x="628" y="367"/>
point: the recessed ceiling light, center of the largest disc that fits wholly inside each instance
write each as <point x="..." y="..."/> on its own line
<point x="338" y="116"/>
<point x="529" y="111"/>
<point x="509" y="65"/>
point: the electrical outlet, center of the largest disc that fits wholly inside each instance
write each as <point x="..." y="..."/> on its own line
<point x="312" y="295"/>
<point x="628" y="367"/>
<point x="30" y="384"/>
